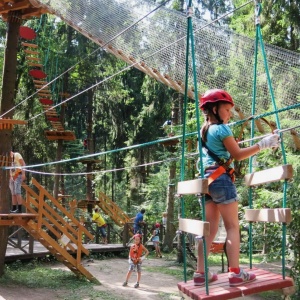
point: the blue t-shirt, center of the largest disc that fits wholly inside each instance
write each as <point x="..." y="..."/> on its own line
<point x="138" y="218"/>
<point x="215" y="136"/>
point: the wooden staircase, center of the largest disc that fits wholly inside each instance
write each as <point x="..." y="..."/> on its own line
<point x="62" y="238"/>
<point x="111" y="209"/>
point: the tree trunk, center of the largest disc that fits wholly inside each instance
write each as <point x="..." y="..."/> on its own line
<point x="170" y="228"/>
<point x="7" y="102"/>
<point x="90" y="194"/>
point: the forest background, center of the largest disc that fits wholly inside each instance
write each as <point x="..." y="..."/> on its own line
<point x="130" y="109"/>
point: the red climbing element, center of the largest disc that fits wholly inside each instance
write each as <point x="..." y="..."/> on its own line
<point x="38" y="74"/>
<point x="85" y="144"/>
<point x="27" y="33"/>
<point x="53" y="119"/>
<point x="46" y="101"/>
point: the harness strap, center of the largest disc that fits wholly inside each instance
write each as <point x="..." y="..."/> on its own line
<point x="223" y="167"/>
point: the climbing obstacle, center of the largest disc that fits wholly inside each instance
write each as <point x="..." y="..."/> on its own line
<point x="265" y="280"/>
<point x="33" y="58"/>
<point x="220" y="289"/>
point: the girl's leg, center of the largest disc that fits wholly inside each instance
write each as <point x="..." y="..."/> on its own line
<point x="128" y="275"/>
<point x="156" y="249"/>
<point x="229" y="213"/>
<point x="212" y="216"/>
<point x="138" y="277"/>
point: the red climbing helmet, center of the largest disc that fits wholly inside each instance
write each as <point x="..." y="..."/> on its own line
<point x="215" y="95"/>
<point x="137" y="235"/>
<point x="157" y="225"/>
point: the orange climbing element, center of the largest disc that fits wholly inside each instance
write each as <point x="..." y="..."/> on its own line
<point x="7" y="123"/>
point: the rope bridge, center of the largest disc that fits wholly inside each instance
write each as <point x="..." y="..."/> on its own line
<point x="156" y="45"/>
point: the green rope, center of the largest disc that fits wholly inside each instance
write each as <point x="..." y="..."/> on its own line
<point x="260" y="38"/>
<point x="182" y="166"/>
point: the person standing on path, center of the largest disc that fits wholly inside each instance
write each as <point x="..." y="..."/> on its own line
<point x="137" y="253"/>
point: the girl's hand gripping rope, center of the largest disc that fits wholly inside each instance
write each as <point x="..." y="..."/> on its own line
<point x="271" y="141"/>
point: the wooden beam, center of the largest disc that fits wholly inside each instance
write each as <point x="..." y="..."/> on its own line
<point x="196" y="227"/>
<point x="269" y="175"/>
<point x="14" y="122"/>
<point x="195" y="186"/>
<point x="15" y="6"/>
<point x="278" y="215"/>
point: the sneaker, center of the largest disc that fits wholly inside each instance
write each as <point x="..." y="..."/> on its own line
<point x="243" y="277"/>
<point x="137" y="285"/>
<point x="125" y="283"/>
<point x="199" y="279"/>
<point x="16" y="211"/>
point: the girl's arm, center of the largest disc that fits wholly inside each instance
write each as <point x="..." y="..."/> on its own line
<point x="239" y="153"/>
<point x="146" y="251"/>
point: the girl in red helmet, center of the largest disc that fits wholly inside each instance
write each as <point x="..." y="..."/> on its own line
<point x="137" y="253"/>
<point x="155" y="239"/>
<point x="220" y="148"/>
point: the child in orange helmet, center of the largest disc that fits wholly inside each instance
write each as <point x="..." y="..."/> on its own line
<point x="137" y="253"/>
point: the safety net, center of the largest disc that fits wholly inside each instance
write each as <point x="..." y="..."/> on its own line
<point x="157" y="46"/>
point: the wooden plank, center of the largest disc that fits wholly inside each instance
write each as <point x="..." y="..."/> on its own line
<point x="33" y="64"/>
<point x="220" y="289"/>
<point x="30" y="45"/>
<point x="194" y="226"/>
<point x="40" y="81"/>
<point x="269" y="175"/>
<point x="32" y="58"/>
<point x="278" y="215"/>
<point x="195" y="186"/>
<point x="31" y="52"/>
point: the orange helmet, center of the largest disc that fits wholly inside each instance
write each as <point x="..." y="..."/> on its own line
<point x="213" y="96"/>
<point x="157" y="225"/>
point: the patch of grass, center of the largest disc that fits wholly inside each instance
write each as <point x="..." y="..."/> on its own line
<point x="35" y="275"/>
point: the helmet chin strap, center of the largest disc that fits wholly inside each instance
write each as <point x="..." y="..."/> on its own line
<point x="216" y="114"/>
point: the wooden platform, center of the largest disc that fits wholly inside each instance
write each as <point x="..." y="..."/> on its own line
<point x="38" y="250"/>
<point x="53" y="135"/>
<point x="220" y="289"/>
<point x="16" y="219"/>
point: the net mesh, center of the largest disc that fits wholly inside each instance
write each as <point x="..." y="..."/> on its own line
<point x="223" y="58"/>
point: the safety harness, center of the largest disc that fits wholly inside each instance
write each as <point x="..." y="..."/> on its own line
<point x="223" y="167"/>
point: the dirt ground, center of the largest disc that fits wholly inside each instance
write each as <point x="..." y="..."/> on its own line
<point x="111" y="273"/>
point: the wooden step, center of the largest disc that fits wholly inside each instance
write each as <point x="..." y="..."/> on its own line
<point x="44" y="95"/>
<point x="32" y="58"/>
<point x="40" y="81"/>
<point x="32" y="64"/>
<point x="44" y="90"/>
<point x="29" y="45"/>
<point x="39" y="86"/>
<point x="31" y="52"/>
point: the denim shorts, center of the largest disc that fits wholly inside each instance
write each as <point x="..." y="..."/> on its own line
<point x="102" y="231"/>
<point x="15" y="185"/>
<point x="132" y="266"/>
<point x="222" y="191"/>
